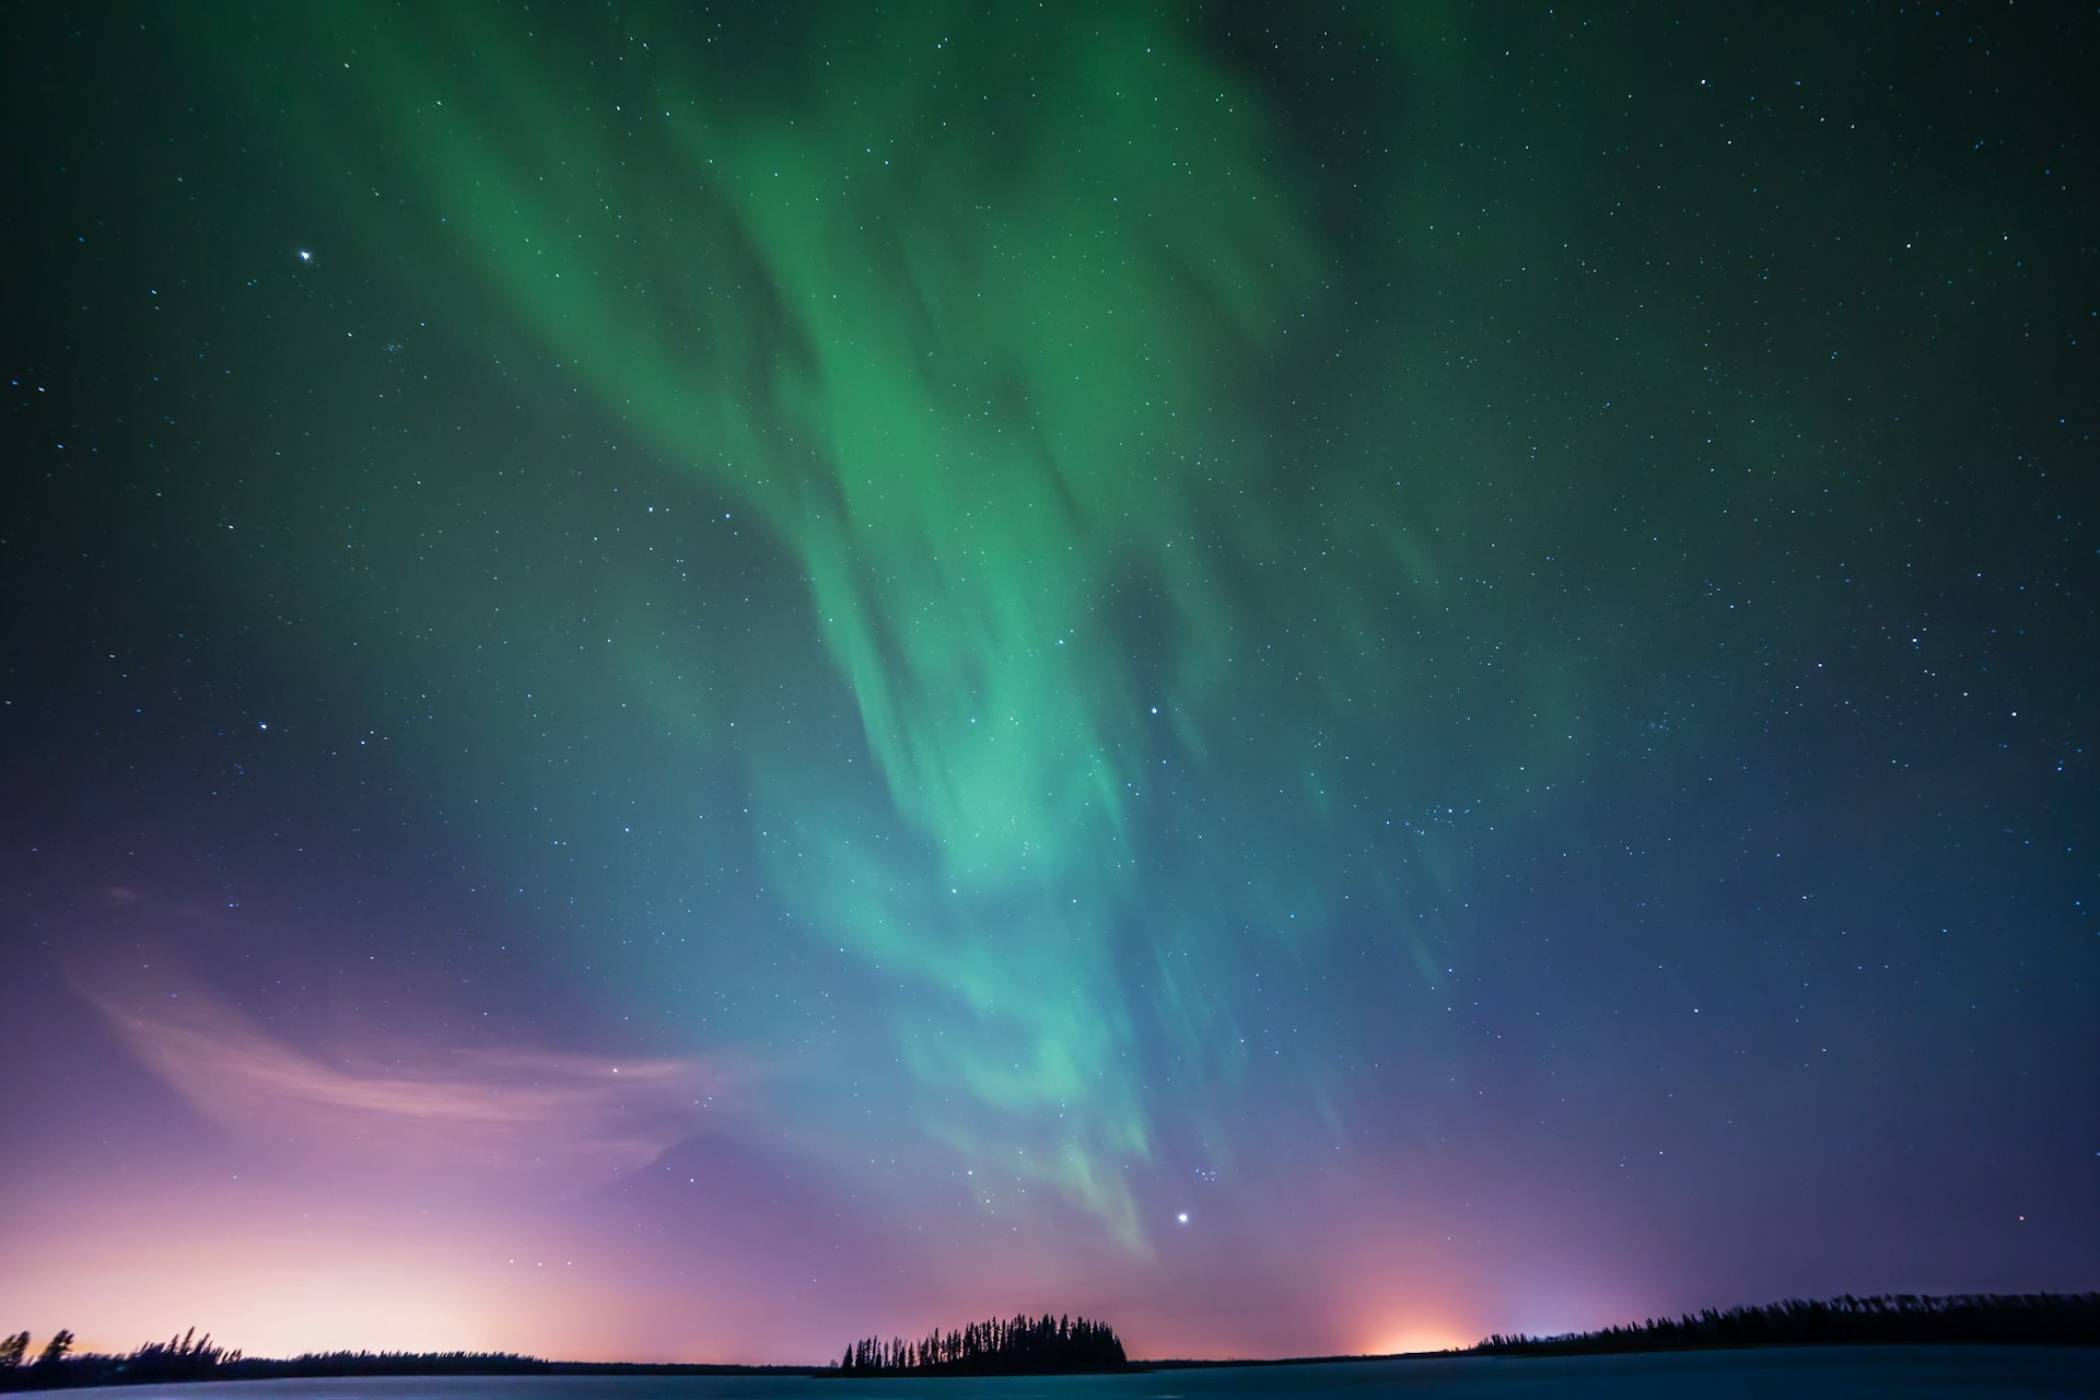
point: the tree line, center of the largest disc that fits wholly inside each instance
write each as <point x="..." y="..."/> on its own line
<point x="1024" y="1345"/>
<point x="183" y="1357"/>
<point x="1014" y="1346"/>
<point x="2062" y="1319"/>
<point x="188" y="1357"/>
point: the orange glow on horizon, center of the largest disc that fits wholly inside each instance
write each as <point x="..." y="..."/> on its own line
<point x="1419" y="1337"/>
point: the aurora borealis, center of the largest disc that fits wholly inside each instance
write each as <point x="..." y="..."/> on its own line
<point x="688" y="682"/>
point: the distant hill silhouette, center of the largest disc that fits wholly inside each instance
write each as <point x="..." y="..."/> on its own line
<point x="1017" y="1346"/>
<point x="2061" y="1319"/>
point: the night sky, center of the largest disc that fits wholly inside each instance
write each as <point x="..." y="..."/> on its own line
<point x="683" y="683"/>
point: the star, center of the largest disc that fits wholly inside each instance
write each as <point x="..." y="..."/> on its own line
<point x="1181" y="1217"/>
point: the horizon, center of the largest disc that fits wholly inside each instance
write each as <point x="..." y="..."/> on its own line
<point x="683" y="686"/>
<point x="1899" y="1319"/>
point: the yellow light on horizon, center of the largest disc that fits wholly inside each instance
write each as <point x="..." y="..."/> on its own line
<point x="1420" y="1337"/>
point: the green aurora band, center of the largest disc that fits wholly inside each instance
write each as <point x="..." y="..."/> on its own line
<point x="979" y="382"/>
<point x="1124" y="598"/>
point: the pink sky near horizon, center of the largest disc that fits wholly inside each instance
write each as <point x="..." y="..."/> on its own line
<point x="383" y="1192"/>
<point x="373" y="1172"/>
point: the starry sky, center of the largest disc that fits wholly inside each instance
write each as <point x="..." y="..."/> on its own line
<point x="683" y="682"/>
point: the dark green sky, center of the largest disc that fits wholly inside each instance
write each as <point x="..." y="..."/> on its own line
<point x="1457" y="642"/>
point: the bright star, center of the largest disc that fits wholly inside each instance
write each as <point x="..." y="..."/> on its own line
<point x="1182" y="1218"/>
<point x="305" y="256"/>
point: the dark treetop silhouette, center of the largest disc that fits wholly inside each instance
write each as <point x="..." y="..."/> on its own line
<point x="1902" y="1317"/>
<point x="192" y="1358"/>
<point x="1008" y="1347"/>
<point x="1048" y="1345"/>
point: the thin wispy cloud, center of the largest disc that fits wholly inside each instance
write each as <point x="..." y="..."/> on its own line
<point x="522" y="1108"/>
